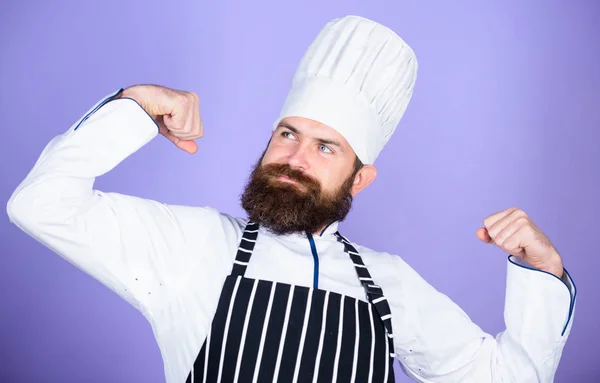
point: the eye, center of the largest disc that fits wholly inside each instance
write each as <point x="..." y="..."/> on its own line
<point x="325" y="148"/>
<point x="288" y="135"/>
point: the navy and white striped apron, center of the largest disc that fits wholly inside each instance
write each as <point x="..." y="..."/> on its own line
<point x="265" y="331"/>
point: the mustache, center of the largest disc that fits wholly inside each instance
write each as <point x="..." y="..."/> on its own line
<point x="276" y="170"/>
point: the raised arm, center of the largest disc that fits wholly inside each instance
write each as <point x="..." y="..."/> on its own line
<point x="132" y="245"/>
<point x="540" y="302"/>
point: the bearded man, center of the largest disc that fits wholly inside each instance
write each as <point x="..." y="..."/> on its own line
<point x="281" y="295"/>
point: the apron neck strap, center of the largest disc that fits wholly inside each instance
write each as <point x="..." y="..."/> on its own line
<point x="373" y="291"/>
<point x="245" y="248"/>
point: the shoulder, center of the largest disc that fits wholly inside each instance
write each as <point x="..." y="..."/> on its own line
<point x="407" y="290"/>
<point x="394" y="274"/>
<point x="206" y="219"/>
<point x="205" y="234"/>
<point x="383" y="261"/>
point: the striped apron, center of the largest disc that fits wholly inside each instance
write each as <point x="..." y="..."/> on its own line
<point x="265" y="331"/>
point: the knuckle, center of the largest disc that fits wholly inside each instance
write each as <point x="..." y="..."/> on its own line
<point x="191" y="97"/>
<point x="180" y="103"/>
<point x="522" y="220"/>
<point x="184" y="98"/>
<point x="518" y="212"/>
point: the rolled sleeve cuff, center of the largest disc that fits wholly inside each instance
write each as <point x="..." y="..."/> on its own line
<point x="105" y="100"/>
<point x="544" y="293"/>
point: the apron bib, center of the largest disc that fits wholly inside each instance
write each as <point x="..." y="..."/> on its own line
<point x="265" y="331"/>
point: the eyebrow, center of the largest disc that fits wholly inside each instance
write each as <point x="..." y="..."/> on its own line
<point x="321" y="140"/>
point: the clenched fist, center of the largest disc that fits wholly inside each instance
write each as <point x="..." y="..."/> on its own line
<point x="515" y="233"/>
<point x="176" y="112"/>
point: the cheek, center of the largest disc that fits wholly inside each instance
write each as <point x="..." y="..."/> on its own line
<point x="330" y="178"/>
<point x="337" y="174"/>
<point x="274" y="154"/>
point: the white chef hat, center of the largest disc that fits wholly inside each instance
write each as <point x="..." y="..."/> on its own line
<point x="357" y="77"/>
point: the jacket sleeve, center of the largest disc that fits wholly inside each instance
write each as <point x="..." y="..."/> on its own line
<point x="446" y="346"/>
<point x="134" y="246"/>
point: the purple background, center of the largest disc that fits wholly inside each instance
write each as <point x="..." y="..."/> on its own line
<point x="505" y="114"/>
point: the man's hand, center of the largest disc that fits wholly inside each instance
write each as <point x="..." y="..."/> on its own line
<point x="176" y="112"/>
<point x="514" y="232"/>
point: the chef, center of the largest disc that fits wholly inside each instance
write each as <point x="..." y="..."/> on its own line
<point x="282" y="295"/>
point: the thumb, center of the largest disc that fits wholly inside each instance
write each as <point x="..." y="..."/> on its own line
<point x="189" y="146"/>
<point x="483" y="235"/>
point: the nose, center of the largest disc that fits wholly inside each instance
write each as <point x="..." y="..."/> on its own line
<point x="298" y="158"/>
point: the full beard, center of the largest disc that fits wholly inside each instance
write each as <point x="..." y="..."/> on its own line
<point x="285" y="208"/>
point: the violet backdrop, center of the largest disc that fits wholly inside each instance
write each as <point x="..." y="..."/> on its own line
<point x="505" y="114"/>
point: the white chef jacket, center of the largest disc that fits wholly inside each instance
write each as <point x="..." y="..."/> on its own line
<point x="170" y="262"/>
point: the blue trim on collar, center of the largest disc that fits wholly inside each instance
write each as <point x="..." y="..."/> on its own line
<point x="313" y="249"/>
<point x="323" y="231"/>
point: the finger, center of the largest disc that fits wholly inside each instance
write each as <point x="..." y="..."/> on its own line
<point x="186" y="145"/>
<point x="492" y="219"/>
<point x="170" y="124"/>
<point x="509" y="231"/>
<point x="166" y="102"/>
<point x="185" y="117"/>
<point x="187" y="130"/>
<point x="175" y="119"/>
<point x="515" y="244"/>
<point x="503" y="222"/>
<point x="168" y="134"/>
<point x="194" y="127"/>
<point x="186" y="124"/>
<point x="174" y="126"/>
<point x="198" y="126"/>
<point x="162" y="127"/>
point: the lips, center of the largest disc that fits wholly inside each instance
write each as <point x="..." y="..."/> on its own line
<point x="282" y="174"/>
<point x="287" y="179"/>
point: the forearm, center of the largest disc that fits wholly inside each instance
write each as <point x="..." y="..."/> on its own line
<point x="538" y="316"/>
<point x="65" y="171"/>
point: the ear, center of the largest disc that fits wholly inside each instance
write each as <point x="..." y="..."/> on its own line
<point x="363" y="178"/>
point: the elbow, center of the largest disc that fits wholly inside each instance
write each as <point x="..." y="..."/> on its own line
<point x="39" y="208"/>
<point x="20" y="210"/>
<point x="27" y="208"/>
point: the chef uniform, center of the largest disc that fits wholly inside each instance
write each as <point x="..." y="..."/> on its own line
<point x="229" y="301"/>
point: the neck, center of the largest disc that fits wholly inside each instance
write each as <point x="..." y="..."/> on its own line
<point x="316" y="233"/>
<point x="321" y="230"/>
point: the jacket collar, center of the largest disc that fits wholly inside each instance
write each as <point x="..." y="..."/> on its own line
<point x="327" y="233"/>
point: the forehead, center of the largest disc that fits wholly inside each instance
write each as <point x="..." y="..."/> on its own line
<point x="313" y="129"/>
